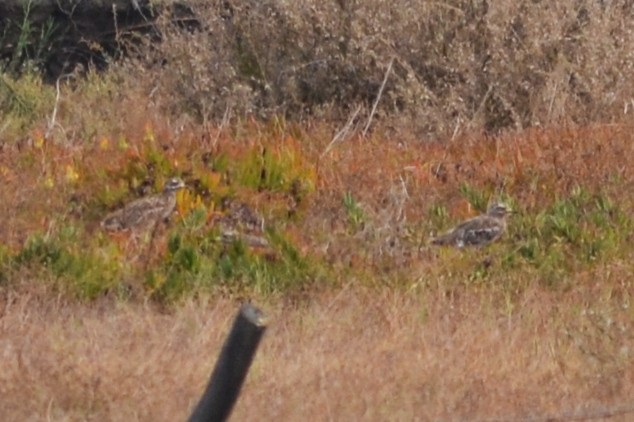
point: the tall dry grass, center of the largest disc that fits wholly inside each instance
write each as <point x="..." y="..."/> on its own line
<point x="457" y="65"/>
<point x="449" y="68"/>
<point x="349" y="354"/>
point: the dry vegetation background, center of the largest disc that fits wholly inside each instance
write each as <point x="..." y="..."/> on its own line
<point x="357" y="130"/>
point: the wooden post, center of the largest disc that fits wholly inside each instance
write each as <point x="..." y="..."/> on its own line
<point x="232" y="366"/>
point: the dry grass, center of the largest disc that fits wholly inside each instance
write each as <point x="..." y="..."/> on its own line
<point x="369" y="322"/>
<point x="351" y="354"/>
<point x="457" y="66"/>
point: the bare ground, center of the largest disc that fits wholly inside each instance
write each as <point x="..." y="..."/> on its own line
<point x="350" y="354"/>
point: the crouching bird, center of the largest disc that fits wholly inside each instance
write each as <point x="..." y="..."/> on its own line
<point x="145" y="212"/>
<point x="478" y="231"/>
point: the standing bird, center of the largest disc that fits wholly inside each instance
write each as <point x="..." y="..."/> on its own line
<point x="144" y="212"/>
<point x="478" y="231"/>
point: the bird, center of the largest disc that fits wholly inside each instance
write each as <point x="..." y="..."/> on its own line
<point x="478" y="231"/>
<point x="242" y="216"/>
<point x="242" y="223"/>
<point x="144" y="212"/>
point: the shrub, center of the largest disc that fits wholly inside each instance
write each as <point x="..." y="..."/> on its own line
<point x="85" y="272"/>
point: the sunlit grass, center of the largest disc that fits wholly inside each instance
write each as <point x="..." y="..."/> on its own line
<point x="345" y="219"/>
<point x="343" y="215"/>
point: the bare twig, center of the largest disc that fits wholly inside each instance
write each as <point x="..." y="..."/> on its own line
<point x="481" y="105"/>
<point x="404" y="197"/>
<point x="137" y="7"/>
<point x="51" y="122"/>
<point x="456" y="130"/>
<point x="66" y="12"/>
<point x="225" y="120"/>
<point x="116" y="24"/>
<point x="343" y="133"/>
<point x="378" y="97"/>
<point x="552" y="101"/>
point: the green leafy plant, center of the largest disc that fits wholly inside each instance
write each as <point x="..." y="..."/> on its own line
<point x="439" y="217"/>
<point x="580" y="229"/>
<point x="198" y="261"/>
<point x="476" y="197"/>
<point x="32" y="43"/>
<point x="355" y="213"/>
<point x="85" y="271"/>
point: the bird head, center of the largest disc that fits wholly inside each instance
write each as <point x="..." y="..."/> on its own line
<point x="173" y="184"/>
<point x="499" y="209"/>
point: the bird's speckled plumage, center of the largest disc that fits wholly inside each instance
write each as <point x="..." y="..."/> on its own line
<point x="478" y="231"/>
<point x="241" y="222"/>
<point x="143" y="212"/>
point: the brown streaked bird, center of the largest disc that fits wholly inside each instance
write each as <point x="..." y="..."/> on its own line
<point x="478" y="231"/>
<point x="144" y="212"/>
<point x="242" y="223"/>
